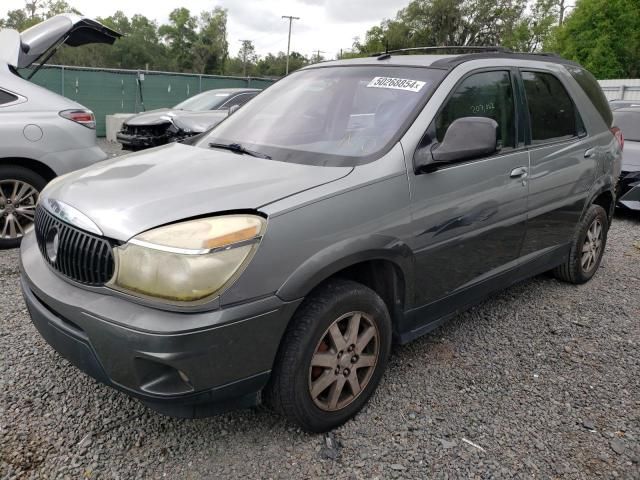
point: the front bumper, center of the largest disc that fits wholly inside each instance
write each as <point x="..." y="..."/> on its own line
<point x="181" y="364"/>
<point x="129" y="141"/>
<point x="628" y="194"/>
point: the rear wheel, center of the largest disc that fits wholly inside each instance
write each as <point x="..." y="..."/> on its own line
<point x="19" y="191"/>
<point x="332" y="356"/>
<point x="587" y="247"/>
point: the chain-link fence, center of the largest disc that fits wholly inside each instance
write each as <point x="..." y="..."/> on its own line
<point x="108" y="91"/>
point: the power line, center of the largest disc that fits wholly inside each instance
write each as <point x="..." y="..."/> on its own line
<point x="291" y="19"/>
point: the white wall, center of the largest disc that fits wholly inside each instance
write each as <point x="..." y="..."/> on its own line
<point x="622" y="89"/>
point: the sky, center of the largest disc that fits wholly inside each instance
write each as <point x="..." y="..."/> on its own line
<point x="326" y="25"/>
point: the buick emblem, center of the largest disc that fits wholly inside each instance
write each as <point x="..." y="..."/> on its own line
<point x="52" y="243"/>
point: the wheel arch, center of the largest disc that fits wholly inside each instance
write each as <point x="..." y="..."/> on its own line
<point x="388" y="272"/>
<point x="34" y="165"/>
<point x="603" y="196"/>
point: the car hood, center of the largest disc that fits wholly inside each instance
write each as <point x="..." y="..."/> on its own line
<point x="131" y="194"/>
<point x="20" y="50"/>
<point x="183" y="119"/>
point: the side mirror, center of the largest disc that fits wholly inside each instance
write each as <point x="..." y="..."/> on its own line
<point x="466" y="138"/>
<point x="233" y="109"/>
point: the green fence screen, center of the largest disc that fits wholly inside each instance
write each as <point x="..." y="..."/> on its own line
<point x="106" y="91"/>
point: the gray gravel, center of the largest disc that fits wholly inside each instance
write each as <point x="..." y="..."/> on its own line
<point x="542" y="380"/>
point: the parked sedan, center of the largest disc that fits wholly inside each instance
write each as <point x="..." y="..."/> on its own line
<point x="191" y="117"/>
<point x="628" y="120"/>
<point x="42" y="134"/>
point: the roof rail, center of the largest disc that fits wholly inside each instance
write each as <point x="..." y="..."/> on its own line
<point x="478" y="48"/>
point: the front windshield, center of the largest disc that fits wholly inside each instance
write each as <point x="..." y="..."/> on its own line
<point x="204" y="101"/>
<point x="330" y="116"/>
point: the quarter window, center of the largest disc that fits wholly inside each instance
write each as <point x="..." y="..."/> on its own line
<point x="551" y="110"/>
<point x="6" y="97"/>
<point x="485" y="94"/>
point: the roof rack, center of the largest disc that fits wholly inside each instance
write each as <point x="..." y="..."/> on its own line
<point x="478" y="48"/>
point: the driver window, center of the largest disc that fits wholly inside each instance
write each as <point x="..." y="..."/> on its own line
<point x="485" y="94"/>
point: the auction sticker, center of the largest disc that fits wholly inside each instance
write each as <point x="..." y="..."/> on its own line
<point x="396" y="84"/>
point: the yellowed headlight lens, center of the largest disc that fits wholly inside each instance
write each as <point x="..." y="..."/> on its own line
<point x="190" y="261"/>
<point x="206" y="233"/>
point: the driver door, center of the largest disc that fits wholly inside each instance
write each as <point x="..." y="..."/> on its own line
<point x="469" y="217"/>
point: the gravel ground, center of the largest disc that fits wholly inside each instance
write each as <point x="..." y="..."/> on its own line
<point x="540" y="381"/>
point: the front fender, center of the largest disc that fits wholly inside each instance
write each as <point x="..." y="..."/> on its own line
<point x="347" y="253"/>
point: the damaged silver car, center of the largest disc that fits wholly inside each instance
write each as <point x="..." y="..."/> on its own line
<point x="191" y="117"/>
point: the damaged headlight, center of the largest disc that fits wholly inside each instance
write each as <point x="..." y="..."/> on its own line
<point x="189" y="261"/>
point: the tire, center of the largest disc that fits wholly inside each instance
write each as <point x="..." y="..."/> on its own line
<point x="574" y="269"/>
<point x="336" y="303"/>
<point x="14" y="221"/>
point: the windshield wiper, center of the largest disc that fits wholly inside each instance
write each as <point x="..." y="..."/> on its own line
<point x="237" y="148"/>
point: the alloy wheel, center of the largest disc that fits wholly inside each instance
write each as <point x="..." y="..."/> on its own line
<point x="17" y="208"/>
<point x="343" y="361"/>
<point x="592" y="246"/>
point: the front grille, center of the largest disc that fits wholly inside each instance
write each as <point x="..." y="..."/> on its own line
<point x="80" y="256"/>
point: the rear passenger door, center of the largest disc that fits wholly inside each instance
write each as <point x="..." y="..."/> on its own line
<point x="469" y="218"/>
<point x="562" y="162"/>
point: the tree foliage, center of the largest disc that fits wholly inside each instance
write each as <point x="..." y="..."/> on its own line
<point x="603" y="36"/>
<point x="516" y="24"/>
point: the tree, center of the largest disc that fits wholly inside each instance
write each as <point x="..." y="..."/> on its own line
<point x="275" y="65"/>
<point x="531" y="30"/>
<point x="180" y="34"/>
<point x="518" y="24"/>
<point x="603" y="36"/>
<point x="211" y="48"/>
<point x="247" y="55"/>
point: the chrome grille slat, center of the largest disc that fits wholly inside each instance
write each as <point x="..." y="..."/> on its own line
<point x="83" y="257"/>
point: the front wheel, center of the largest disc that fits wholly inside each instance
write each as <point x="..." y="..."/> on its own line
<point x="19" y="191"/>
<point x="332" y="357"/>
<point x="587" y="247"/>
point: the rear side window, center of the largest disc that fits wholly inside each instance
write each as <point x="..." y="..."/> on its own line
<point x="238" y="100"/>
<point x="551" y="110"/>
<point x="590" y="85"/>
<point x="6" y="97"/>
<point x="484" y="94"/>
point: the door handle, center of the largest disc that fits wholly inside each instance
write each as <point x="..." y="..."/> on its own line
<point x="519" y="172"/>
<point x="590" y="153"/>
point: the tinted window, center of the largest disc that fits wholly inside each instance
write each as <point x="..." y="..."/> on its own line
<point x="238" y="100"/>
<point x="552" y="114"/>
<point x="486" y="94"/>
<point x="210" y="100"/>
<point x="6" y="97"/>
<point x="590" y="85"/>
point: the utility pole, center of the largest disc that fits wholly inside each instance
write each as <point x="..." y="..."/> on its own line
<point x="318" y="52"/>
<point x="291" y="19"/>
<point x="244" y="56"/>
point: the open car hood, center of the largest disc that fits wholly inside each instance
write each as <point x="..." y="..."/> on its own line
<point x="20" y="50"/>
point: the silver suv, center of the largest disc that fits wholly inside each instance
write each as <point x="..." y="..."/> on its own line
<point x="42" y="134"/>
<point x="351" y="205"/>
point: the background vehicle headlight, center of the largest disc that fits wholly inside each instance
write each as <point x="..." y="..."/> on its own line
<point x="188" y="261"/>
